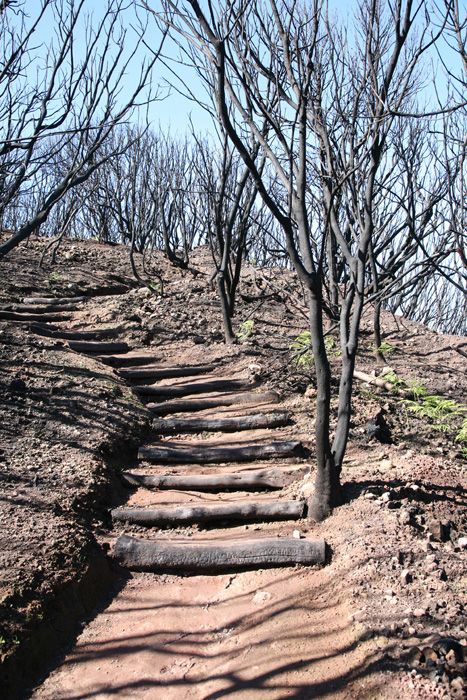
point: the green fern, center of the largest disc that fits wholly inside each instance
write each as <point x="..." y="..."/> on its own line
<point x="302" y="354"/>
<point x="392" y="378"/>
<point x="461" y="435"/>
<point x="330" y="345"/>
<point x="440" y="410"/>
<point x="385" y="348"/>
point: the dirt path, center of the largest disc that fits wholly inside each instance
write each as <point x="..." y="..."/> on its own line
<point x="282" y="633"/>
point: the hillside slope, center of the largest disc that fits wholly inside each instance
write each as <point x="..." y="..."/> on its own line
<point x="70" y="424"/>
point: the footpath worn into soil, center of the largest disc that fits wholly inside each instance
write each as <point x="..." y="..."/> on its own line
<point x="153" y="470"/>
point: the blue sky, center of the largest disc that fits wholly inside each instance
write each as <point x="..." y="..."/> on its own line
<point x="173" y="111"/>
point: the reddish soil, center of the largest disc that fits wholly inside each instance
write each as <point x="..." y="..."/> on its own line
<point x="385" y="618"/>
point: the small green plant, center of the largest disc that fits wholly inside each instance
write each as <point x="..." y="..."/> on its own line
<point x="55" y="276"/>
<point x="302" y="354"/>
<point x="385" y="348"/>
<point x="443" y="412"/>
<point x="439" y="409"/>
<point x="418" y="389"/>
<point x="245" y="329"/>
<point x="392" y="378"/>
<point x="156" y="288"/>
<point x="462" y="433"/>
<point x="331" y="347"/>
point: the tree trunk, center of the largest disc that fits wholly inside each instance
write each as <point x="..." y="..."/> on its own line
<point x="15" y="316"/>
<point x="55" y="332"/>
<point x="97" y="347"/>
<point x="229" y="335"/>
<point x="39" y="308"/>
<point x="327" y="492"/>
<point x="380" y="359"/>
<point x="54" y="300"/>
<point x="166" y="372"/>
<point x="188" y="389"/>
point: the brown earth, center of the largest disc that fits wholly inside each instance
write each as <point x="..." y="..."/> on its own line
<point x="385" y="618"/>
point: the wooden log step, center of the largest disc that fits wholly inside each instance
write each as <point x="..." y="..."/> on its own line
<point x="59" y="301"/>
<point x="238" y="511"/>
<point x="14" y="316"/>
<point x="50" y="331"/>
<point x="130" y="359"/>
<point x="97" y="347"/>
<point x="199" y="425"/>
<point x="211" y="455"/>
<point x="199" y="404"/>
<point x="176" y="390"/>
<point x="166" y="372"/>
<point x="149" y="555"/>
<point x="266" y="479"/>
<point x="292" y="470"/>
<point x="32" y="309"/>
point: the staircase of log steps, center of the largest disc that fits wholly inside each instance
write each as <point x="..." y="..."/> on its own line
<point x="210" y="478"/>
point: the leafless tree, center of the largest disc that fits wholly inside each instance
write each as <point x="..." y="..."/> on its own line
<point x="325" y="99"/>
<point x="69" y="95"/>
<point x="227" y="198"/>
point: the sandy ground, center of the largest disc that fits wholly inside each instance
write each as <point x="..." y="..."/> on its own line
<point x="281" y="633"/>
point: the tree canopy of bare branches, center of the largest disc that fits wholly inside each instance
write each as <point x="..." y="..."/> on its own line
<point x="324" y="107"/>
<point x="60" y="99"/>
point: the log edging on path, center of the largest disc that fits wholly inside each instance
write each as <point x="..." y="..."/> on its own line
<point x="210" y="455"/>
<point x="238" y="481"/>
<point x="199" y="404"/>
<point x="234" y="423"/>
<point x="147" y="555"/>
<point x="175" y="515"/>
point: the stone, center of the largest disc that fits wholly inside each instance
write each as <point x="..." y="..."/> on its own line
<point x="438" y="529"/>
<point x="405" y="517"/>
<point x="451" y="658"/>
<point x="406" y="576"/>
<point x="444" y="645"/>
<point x="458" y="684"/>
<point x="261" y="597"/>
<point x="431" y="656"/>
<point x="358" y="615"/>
<point x="415" y="657"/>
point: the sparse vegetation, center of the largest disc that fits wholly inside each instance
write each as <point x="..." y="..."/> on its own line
<point x="245" y="329"/>
<point x="302" y="354"/>
<point x="385" y="348"/>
